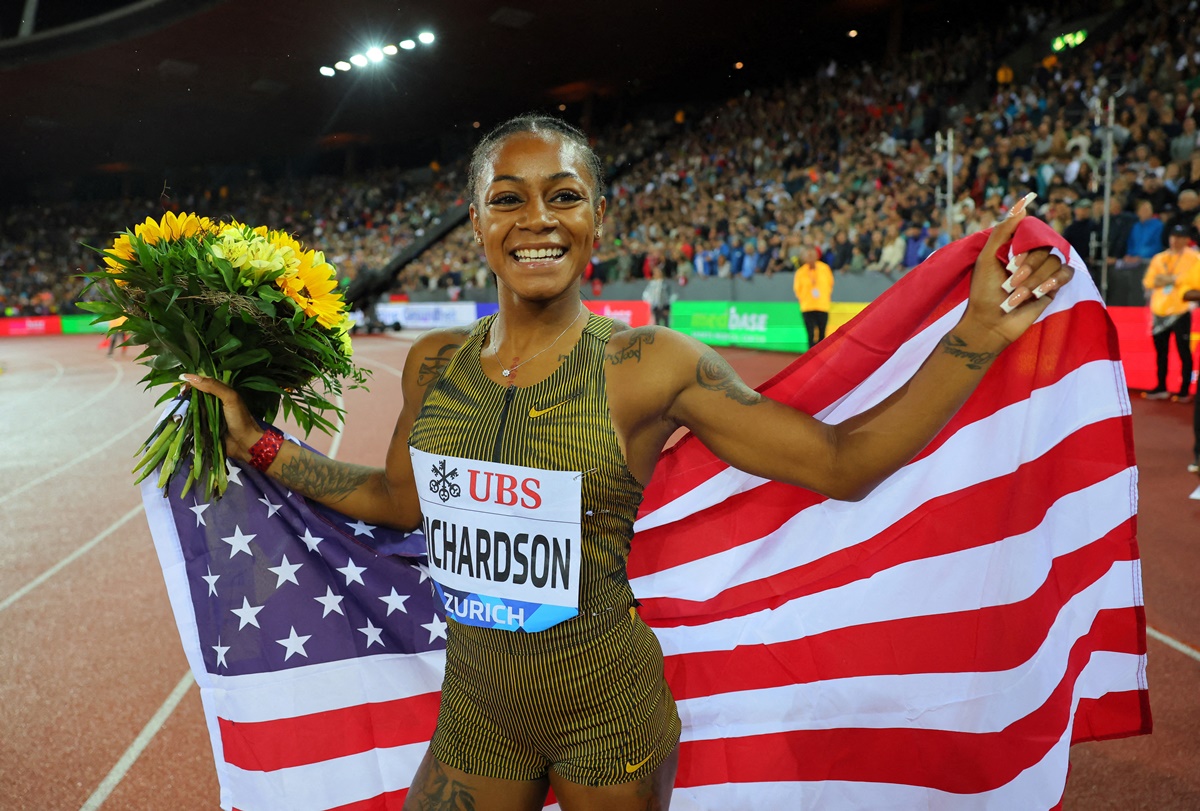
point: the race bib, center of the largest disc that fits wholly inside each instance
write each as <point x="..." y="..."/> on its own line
<point x="503" y="540"/>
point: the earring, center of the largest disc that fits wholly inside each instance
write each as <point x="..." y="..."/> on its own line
<point x="478" y="239"/>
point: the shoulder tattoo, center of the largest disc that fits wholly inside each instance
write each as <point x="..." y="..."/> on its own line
<point x="632" y="350"/>
<point x="957" y="347"/>
<point x="714" y="373"/>
<point x="432" y="366"/>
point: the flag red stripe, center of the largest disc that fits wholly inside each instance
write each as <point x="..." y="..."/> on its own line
<point x="986" y="507"/>
<point x="1107" y="717"/>
<point x="959" y="762"/>
<point x="775" y="503"/>
<point x="265" y="746"/>
<point x="939" y="643"/>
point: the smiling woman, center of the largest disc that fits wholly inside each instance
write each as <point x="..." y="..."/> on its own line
<point x="568" y="413"/>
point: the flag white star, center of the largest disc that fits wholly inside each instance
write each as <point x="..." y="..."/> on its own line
<point x="353" y="573"/>
<point x="211" y="579"/>
<point x="373" y="634"/>
<point x="310" y="541"/>
<point x="248" y="614"/>
<point x="233" y="472"/>
<point x="221" y="651"/>
<point x="271" y="508"/>
<point x="239" y="542"/>
<point x="395" y="601"/>
<point x="361" y="528"/>
<point x="199" y="511"/>
<point x="331" y="601"/>
<point x="436" y="628"/>
<point x="286" y="572"/>
<point x="424" y="572"/>
<point x="294" y="644"/>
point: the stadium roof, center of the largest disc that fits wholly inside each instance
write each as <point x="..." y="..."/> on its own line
<point x="162" y="83"/>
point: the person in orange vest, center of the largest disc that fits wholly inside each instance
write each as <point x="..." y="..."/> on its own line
<point x="813" y="286"/>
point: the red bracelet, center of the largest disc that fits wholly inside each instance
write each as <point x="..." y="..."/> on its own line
<point x="263" y="452"/>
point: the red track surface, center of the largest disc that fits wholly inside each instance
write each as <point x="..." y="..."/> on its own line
<point x="89" y="652"/>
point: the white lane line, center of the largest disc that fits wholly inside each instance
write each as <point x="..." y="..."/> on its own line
<point x="126" y="761"/>
<point x="1172" y="642"/>
<point x="74" y="461"/>
<point x="98" y="395"/>
<point x="59" y="371"/>
<point x="53" y="570"/>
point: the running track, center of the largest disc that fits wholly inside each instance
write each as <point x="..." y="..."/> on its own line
<point x="97" y="707"/>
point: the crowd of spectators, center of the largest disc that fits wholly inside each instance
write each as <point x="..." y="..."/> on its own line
<point x="360" y="223"/>
<point x="842" y="162"/>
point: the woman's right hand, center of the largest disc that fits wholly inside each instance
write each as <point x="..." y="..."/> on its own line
<point x="242" y="430"/>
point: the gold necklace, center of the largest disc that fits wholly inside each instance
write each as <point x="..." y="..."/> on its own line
<point x="508" y="372"/>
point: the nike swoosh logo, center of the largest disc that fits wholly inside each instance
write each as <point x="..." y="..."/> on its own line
<point x="537" y="412"/>
<point x="630" y="768"/>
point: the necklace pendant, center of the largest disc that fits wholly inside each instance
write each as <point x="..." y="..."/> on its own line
<point x="505" y="372"/>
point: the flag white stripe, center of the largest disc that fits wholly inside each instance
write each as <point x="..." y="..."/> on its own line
<point x="326" y="784"/>
<point x="959" y="702"/>
<point x="965" y="580"/>
<point x="327" y="686"/>
<point x="953" y="467"/>
<point x="877" y="386"/>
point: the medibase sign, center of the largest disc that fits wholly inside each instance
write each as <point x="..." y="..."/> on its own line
<point x="754" y="324"/>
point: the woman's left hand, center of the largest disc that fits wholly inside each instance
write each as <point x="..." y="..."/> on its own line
<point x="1040" y="274"/>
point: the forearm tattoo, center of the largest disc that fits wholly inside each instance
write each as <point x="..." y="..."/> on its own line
<point x="321" y="478"/>
<point x="715" y="374"/>
<point x="957" y="347"/>
<point x="432" y="366"/>
<point x="633" y="350"/>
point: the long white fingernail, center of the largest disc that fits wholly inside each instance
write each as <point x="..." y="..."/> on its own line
<point x="1008" y="305"/>
<point x="1044" y="288"/>
<point x="1014" y="264"/>
<point x="1008" y="286"/>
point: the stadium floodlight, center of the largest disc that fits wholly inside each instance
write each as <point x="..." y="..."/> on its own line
<point x="407" y="44"/>
<point x="852" y="33"/>
<point x="375" y="54"/>
<point x="343" y="65"/>
<point x="327" y="71"/>
<point x="390" y="50"/>
<point x="359" y="60"/>
<point x="425" y="37"/>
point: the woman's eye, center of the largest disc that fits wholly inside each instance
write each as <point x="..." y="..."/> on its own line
<point x="504" y="200"/>
<point x="567" y="197"/>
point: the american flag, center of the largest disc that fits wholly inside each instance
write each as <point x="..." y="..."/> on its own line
<point x="938" y="645"/>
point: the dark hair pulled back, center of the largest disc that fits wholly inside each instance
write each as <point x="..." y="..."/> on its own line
<point x="535" y="124"/>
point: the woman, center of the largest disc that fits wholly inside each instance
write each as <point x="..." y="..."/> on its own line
<point x="544" y="387"/>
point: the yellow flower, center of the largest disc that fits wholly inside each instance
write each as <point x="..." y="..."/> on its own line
<point x="148" y="231"/>
<point x="121" y="248"/>
<point x="312" y="286"/>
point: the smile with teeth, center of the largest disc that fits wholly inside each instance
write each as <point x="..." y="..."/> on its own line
<point x="539" y="254"/>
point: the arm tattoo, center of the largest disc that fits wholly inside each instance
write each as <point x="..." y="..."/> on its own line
<point x="440" y="792"/>
<point x="633" y="350"/>
<point x="321" y="478"/>
<point x="953" y="345"/>
<point x="433" y="365"/>
<point x="715" y="374"/>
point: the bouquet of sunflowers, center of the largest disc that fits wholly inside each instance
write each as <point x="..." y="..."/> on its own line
<point x="248" y="306"/>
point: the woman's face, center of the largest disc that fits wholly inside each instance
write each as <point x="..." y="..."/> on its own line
<point x="536" y="214"/>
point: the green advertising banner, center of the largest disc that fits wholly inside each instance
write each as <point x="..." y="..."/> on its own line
<point x="77" y="324"/>
<point x="753" y="324"/>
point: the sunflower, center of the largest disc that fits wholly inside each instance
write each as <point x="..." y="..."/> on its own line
<point x="311" y="285"/>
<point x="121" y="249"/>
<point x="172" y="228"/>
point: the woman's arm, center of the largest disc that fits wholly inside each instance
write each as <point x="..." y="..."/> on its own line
<point x="385" y="496"/>
<point x="844" y="461"/>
